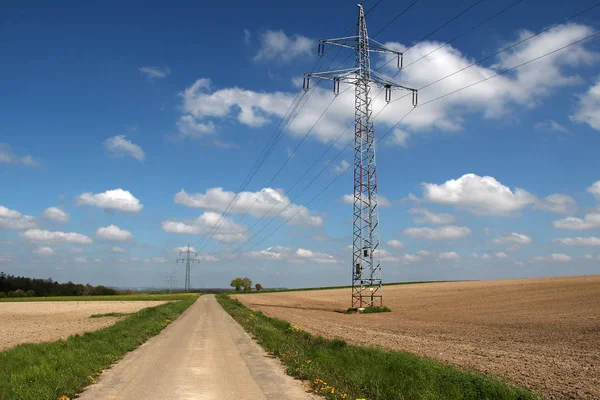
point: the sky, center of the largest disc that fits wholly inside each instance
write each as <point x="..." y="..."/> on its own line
<point x="127" y="130"/>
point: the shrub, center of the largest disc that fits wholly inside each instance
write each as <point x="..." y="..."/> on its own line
<point x="2" y="295"/>
<point x="30" y="293"/>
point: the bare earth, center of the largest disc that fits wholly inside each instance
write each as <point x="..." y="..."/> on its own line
<point x="540" y="333"/>
<point x="47" y="321"/>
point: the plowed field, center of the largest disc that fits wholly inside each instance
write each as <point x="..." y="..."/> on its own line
<point x="48" y="321"/>
<point x="540" y="333"/>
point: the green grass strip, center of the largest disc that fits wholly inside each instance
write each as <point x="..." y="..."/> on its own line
<point x="111" y="314"/>
<point x="119" y="297"/>
<point x="46" y="371"/>
<point x="338" y="370"/>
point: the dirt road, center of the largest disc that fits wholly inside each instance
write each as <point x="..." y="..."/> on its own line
<point x="541" y="333"/>
<point x="204" y="355"/>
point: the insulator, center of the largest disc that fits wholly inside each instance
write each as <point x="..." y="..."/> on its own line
<point x="336" y="87"/>
<point x="415" y="100"/>
<point x="388" y="94"/>
<point x="400" y="61"/>
<point x="305" y="84"/>
<point x="321" y="49"/>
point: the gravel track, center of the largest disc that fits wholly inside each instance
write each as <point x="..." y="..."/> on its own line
<point x="540" y="333"/>
<point x="46" y="321"/>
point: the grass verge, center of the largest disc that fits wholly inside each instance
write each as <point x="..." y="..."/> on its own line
<point x="338" y="370"/>
<point x="111" y="314"/>
<point x="119" y="297"/>
<point x="46" y="371"/>
<point x="368" y="310"/>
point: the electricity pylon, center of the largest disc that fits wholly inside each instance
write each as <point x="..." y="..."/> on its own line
<point x="366" y="266"/>
<point x="170" y="281"/>
<point x="188" y="261"/>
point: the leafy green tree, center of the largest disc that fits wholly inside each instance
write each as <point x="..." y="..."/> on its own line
<point x="30" y="293"/>
<point x="2" y="295"/>
<point x="258" y="287"/>
<point x="247" y="284"/>
<point x="237" y="283"/>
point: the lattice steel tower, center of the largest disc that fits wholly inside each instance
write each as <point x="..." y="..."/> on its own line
<point x="366" y="267"/>
<point x="188" y="261"/>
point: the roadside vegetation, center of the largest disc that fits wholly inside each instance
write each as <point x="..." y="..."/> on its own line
<point x="338" y="370"/>
<point x="22" y="286"/>
<point x="47" y="371"/>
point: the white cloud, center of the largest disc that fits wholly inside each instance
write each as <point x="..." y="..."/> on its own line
<point x="277" y="46"/>
<point x="449" y="256"/>
<point x="557" y="203"/>
<point x="8" y="157"/>
<point x="513" y="238"/>
<point x="189" y="128"/>
<point x="268" y="202"/>
<point x="382" y="201"/>
<point x="205" y="224"/>
<point x="113" y="232"/>
<point x="442" y="232"/>
<point x="44" y="250"/>
<point x="479" y="195"/>
<point x="556" y="257"/>
<point x="12" y="219"/>
<point x="399" y="137"/>
<point x="550" y="126"/>
<point x="76" y="251"/>
<point x="341" y="167"/>
<point x="38" y="235"/>
<point x="395" y="244"/>
<point x="56" y="214"/>
<point x="500" y="254"/>
<point x="247" y="36"/>
<point x="588" y="107"/>
<point x="117" y="199"/>
<point x="296" y="256"/>
<point x="595" y="189"/>
<point x="428" y="217"/>
<point x="181" y="249"/>
<point x="579" y="241"/>
<point x="80" y="260"/>
<point x="155" y="72"/>
<point x="117" y="249"/>
<point x="409" y="258"/>
<point x="589" y="221"/>
<point x="148" y="260"/>
<point x="119" y="146"/>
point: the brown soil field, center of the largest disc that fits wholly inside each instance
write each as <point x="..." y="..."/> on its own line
<point x="34" y="322"/>
<point x="543" y="334"/>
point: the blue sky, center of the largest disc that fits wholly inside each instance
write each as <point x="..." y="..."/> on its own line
<point x="126" y="130"/>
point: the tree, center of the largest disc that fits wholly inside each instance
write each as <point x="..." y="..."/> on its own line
<point x="258" y="287"/>
<point x="247" y="284"/>
<point x="30" y="293"/>
<point x="2" y="295"/>
<point x="237" y="283"/>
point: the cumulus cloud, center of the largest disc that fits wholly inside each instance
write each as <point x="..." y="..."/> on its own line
<point x="44" y="250"/>
<point x="579" y="241"/>
<point x="138" y="260"/>
<point x="588" y="107"/>
<point x="296" y="256"/>
<point x="117" y="249"/>
<point x="550" y="126"/>
<point x="181" y="249"/>
<point x="449" y="256"/>
<point x="341" y="167"/>
<point x="113" y="232"/>
<point x="556" y="257"/>
<point x="80" y="260"/>
<point x="513" y="238"/>
<point x="500" y="254"/>
<point x="117" y="199"/>
<point x="12" y="219"/>
<point x="8" y="157"/>
<point x="492" y="99"/>
<point x="382" y="201"/>
<point x="38" y="235"/>
<point x="557" y="203"/>
<point x="589" y="221"/>
<point x="119" y="146"/>
<point x="439" y="233"/>
<point x="56" y="214"/>
<point x="155" y="72"/>
<point x="267" y="202"/>
<point x="395" y="244"/>
<point x="227" y="231"/>
<point x="595" y="189"/>
<point x="277" y="46"/>
<point x="429" y="217"/>
<point x="189" y="128"/>
<point x="479" y="195"/>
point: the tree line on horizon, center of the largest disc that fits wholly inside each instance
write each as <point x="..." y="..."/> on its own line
<point x="21" y="286"/>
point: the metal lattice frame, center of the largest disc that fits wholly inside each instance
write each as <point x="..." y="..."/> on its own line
<point x="366" y="266"/>
<point x="188" y="260"/>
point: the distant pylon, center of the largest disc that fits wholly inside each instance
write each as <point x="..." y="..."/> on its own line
<point x="188" y="261"/>
<point x="366" y="267"/>
<point x="170" y="281"/>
